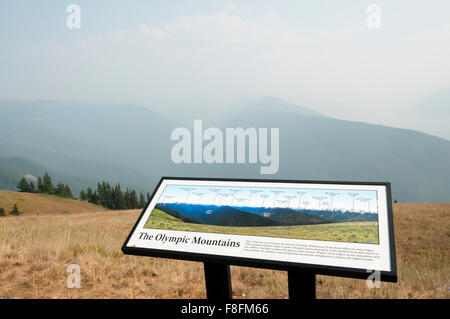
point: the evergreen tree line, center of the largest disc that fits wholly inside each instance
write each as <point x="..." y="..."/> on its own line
<point x="106" y="195"/>
<point x="113" y="197"/>
<point x="44" y="185"/>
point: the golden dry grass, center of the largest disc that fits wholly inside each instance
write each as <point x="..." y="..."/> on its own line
<point x="43" y="204"/>
<point x="35" y="251"/>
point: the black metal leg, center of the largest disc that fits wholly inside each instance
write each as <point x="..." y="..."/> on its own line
<point x="301" y="285"/>
<point x="218" y="281"/>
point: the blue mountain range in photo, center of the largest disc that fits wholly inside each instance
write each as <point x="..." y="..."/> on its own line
<point x="243" y="216"/>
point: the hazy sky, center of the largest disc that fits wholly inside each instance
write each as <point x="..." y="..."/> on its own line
<point x="206" y="58"/>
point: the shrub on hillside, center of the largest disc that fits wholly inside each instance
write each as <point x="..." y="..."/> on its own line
<point x="15" y="211"/>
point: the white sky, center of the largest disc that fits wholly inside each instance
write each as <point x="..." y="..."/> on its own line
<point x="208" y="58"/>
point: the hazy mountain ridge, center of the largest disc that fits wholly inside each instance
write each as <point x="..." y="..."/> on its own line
<point x="436" y="105"/>
<point x="104" y="142"/>
<point x="131" y="144"/>
<point x="273" y="104"/>
<point x="433" y="113"/>
<point x="12" y="169"/>
<point x="294" y="215"/>
<point x="318" y="148"/>
<point x="224" y="215"/>
<point x="214" y="215"/>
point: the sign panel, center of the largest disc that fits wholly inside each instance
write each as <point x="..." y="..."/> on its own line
<point x="332" y="228"/>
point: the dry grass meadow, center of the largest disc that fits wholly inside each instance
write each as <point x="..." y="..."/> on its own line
<point x="44" y="204"/>
<point x="36" y="250"/>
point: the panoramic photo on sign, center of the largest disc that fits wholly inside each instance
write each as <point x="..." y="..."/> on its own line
<point x="326" y="224"/>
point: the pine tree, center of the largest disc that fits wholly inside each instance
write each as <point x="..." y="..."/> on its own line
<point x="101" y="194"/>
<point x="134" y="199"/>
<point x="142" y="202"/>
<point x="31" y="188"/>
<point x="23" y="185"/>
<point x="15" y="211"/>
<point x="40" y="187"/>
<point x="2" y="212"/>
<point x="119" y="201"/>
<point x="109" y="196"/>
<point x="47" y="184"/>
<point x="59" y="190"/>
<point x="113" y="197"/>
<point x="95" y="198"/>
<point x="83" y="196"/>
<point x="126" y="198"/>
<point x="89" y="195"/>
<point x="68" y="192"/>
<point x="148" y="196"/>
<point x="109" y="199"/>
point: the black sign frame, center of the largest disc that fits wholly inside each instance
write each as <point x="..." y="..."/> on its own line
<point x="388" y="276"/>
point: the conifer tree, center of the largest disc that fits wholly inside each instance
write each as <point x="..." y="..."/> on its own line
<point x="59" y="190"/>
<point x="134" y="199"/>
<point x="89" y="195"/>
<point x="108" y="195"/>
<point x="15" y="211"/>
<point x="23" y="185"/>
<point x="113" y="197"/>
<point x="142" y="202"/>
<point x="47" y="184"/>
<point x="119" y="201"/>
<point x="101" y="194"/>
<point x="126" y="198"/>
<point x="95" y="198"/>
<point x="39" y="188"/>
<point x="31" y="188"/>
<point x="2" y="212"/>
<point x="67" y="192"/>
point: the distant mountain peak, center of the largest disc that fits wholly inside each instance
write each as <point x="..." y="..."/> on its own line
<point x="435" y="105"/>
<point x="274" y="104"/>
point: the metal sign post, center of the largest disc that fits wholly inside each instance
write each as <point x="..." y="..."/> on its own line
<point x="301" y="286"/>
<point x="218" y="281"/>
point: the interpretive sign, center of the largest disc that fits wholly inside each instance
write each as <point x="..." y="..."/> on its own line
<point x="333" y="228"/>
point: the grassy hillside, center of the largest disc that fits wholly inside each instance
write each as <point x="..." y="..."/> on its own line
<point x="36" y="250"/>
<point x="43" y="204"/>
<point x="160" y="214"/>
